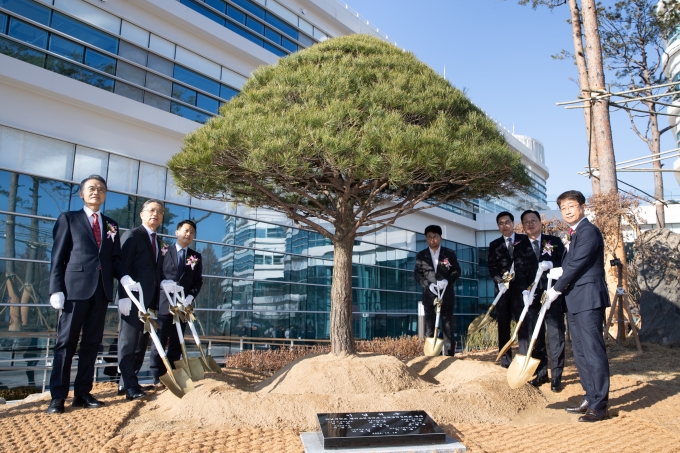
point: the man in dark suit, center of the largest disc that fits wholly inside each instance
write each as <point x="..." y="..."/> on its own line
<point x="142" y="253"/>
<point x="437" y="269"/>
<point x="500" y="260"/>
<point x="548" y="251"/>
<point x="184" y="266"/>
<point x="85" y="259"/>
<point x="585" y="292"/>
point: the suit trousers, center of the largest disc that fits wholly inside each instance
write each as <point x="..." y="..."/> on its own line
<point x="556" y="330"/>
<point x="446" y="318"/>
<point x="132" y="343"/>
<point x="507" y="308"/>
<point x="88" y="315"/>
<point x="590" y="356"/>
<point x="167" y="334"/>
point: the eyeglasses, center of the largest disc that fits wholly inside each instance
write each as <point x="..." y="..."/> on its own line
<point x="154" y="211"/>
<point x="93" y="189"/>
<point x="569" y="207"/>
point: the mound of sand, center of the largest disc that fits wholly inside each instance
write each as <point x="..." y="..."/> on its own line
<point x="329" y="375"/>
<point x="450" y="390"/>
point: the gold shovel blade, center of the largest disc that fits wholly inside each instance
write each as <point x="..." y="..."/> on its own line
<point x="211" y="365"/>
<point x="521" y="370"/>
<point x="433" y="346"/>
<point x="478" y="323"/>
<point x="508" y="345"/>
<point x="177" y="381"/>
<point x="195" y="371"/>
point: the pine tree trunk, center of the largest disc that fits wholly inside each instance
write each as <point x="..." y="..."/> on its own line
<point x="579" y="56"/>
<point x="10" y="252"/>
<point x="342" y="337"/>
<point x="655" y="147"/>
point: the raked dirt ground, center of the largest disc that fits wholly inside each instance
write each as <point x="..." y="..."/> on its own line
<point x="468" y="396"/>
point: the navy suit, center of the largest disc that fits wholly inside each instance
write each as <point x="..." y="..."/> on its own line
<point x="447" y="269"/>
<point x="554" y="317"/>
<point x="145" y="268"/>
<point x="191" y="279"/>
<point x="84" y="273"/>
<point x="510" y="304"/>
<point x="585" y="292"/>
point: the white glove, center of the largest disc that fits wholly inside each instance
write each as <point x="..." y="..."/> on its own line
<point x="188" y="300"/>
<point x="126" y="280"/>
<point x="525" y="298"/>
<point x="442" y="284"/>
<point x="433" y="288"/>
<point x="169" y="285"/>
<point x="502" y="288"/>
<point x="124" y="306"/>
<point x="555" y="273"/>
<point x="620" y="291"/>
<point x="545" y="265"/>
<point x="57" y="300"/>
<point x="552" y="294"/>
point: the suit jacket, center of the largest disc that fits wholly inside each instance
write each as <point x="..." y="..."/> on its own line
<point x="191" y="279"/>
<point x="583" y="280"/>
<point x="141" y="265"/>
<point x="499" y="262"/>
<point x="426" y="274"/>
<point x="77" y="261"/>
<point x="555" y="256"/>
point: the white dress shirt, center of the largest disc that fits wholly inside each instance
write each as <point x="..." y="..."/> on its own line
<point x="89" y="213"/>
<point x="435" y="256"/>
<point x="149" y="231"/>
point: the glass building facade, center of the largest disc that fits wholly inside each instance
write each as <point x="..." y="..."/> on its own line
<point x="262" y="275"/>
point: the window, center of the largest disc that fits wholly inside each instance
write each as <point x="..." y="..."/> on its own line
<point x="28" y="9"/>
<point x="288" y="44"/>
<point x="122" y="174"/>
<point x="100" y="61"/>
<point x="27" y="33"/>
<point x="3" y="23"/>
<point x="67" y="48"/>
<point x="33" y="153"/>
<point x="246" y="34"/>
<point x="157" y="101"/>
<point x="151" y="180"/>
<point x="251" y="7"/>
<point x="158" y="84"/>
<point x="132" y="53"/>
<point x="188" y="113"/>
<point x="272" y="35"/>
<point x="196" y="80"/>
<point x="236" y="14"/>
<point x="23" y="53"/>
<point x="219" y="5"/>
<point x="203" y="11"/>
<point x="161" y="65"/>
<point x="84" y="32"/>
<point x="183" y="94"/>
<point x="129" y="91"/>
<point x="227" y="92"/>
<point x="132" y="73"/>
<point x="207" y="103"/>
<point x="254" y="25"/>
<point x="89" y="161"/>
<point x="282" y="26"/>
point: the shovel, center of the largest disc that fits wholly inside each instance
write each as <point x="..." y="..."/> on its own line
<point x="482" y="320"/>
<point x="176" y="381"/>
<point x="508" y="345"/>
<point x="208" y="362"/>
<point x="522" y="367"/>
<point x="433" y="346"/>
<point x="192" y="366"/>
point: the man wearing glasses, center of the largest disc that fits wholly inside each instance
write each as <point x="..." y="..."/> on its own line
<point x="501" y="257"/>
<point x="437" y="269"/>
<point x="548" y="251"/>
<point x="85" y="259"/>
<point x="585" y="293"/>
<point x="142" y="253"/>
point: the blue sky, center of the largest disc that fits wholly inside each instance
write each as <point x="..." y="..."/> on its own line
<point x="500" y="53"/>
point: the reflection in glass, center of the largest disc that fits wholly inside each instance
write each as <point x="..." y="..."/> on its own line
<point x="172" y="216"/>
<point x="120" y="208"/>
<point x="88" y="162"/>
<point x="35" y="154"/>
<point x="151" y="182"/>
<point x="123" y="174"/>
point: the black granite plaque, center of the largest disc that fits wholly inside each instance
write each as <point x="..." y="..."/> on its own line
<point x="379" y="429"/>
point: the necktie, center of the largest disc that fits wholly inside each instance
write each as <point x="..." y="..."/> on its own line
<point x="153" y="245"/>
<point x="96" y="230"/>
<point x="535" y="244"/>
<point x="571" y="231"/>
<point x="181" y="261"/>
<point x="511" y="247"/>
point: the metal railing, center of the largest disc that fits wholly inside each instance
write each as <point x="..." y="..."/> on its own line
<point x="366" y="21"/>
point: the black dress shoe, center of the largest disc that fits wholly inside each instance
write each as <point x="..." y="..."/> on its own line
<point x="580" y="409"/>
<point x="134" y="393"/>
<point x="56" y="406"/>
<point x="121" y="390"/>
<point x="556" y="385"/>
<point x="86" y="400"/>
<point x="538" y="380"/>
<point x="592" y="416"/>
<point x="148" y="387"/>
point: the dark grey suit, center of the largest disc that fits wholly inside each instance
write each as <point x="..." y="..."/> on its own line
<point x="448" y="269"/>
<point x="143" y="267"/>
<point x="509" y="306"/>
<point x="84" y="273"/>
<point x="191" y="279"/>
<point x="585" y="292"/>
